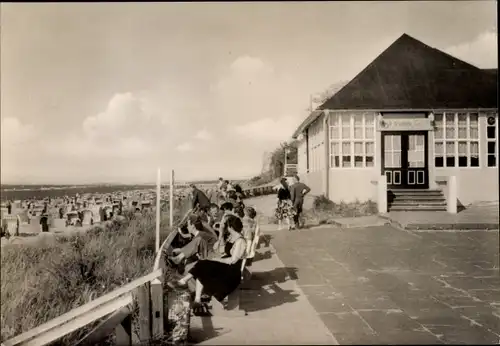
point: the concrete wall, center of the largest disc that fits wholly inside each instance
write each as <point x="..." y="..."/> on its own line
<point x="474" y="184"/>
<point x="315" y="181"/>
<point x="349" y="185"/>
<point x="302" y="156"/>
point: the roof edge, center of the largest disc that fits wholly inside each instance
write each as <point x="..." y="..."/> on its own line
<point x="315" y="114"/>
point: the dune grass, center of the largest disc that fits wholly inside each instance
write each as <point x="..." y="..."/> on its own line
<point x="324" y="211"/>
<point x="42" y="282"/>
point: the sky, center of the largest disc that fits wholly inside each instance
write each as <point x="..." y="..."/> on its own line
<point x="109" y="92"/>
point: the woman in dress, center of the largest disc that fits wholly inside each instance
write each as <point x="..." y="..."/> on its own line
<point x="219" y="277"/>
<point x="284" y="208"/>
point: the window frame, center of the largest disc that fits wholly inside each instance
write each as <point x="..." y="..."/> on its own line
<point x="338" y="126"/>
<point x="456" y="140"/>
<point x="489" y="140"/>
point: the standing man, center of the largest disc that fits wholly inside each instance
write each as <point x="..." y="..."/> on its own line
<point x="297" y="191"/>
<point x="199" y="199"/>
<point x="200" y="203"/>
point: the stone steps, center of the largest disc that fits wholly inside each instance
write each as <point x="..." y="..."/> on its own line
<point x="416" y="200"/>
<point x="418" y="208"/>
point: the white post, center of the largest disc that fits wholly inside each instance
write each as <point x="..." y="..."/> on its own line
<point x="382" y="194"/>
<point x="158" y="190"/>
<point x="284" y="168"/>
<point x="172" y="199"/>
<point x="452" y="195"/>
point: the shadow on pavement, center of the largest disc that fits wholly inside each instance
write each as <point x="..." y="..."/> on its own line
<point x="263" y="292"/>
<point x="262" y="256"/>
<point x="260" y="293"/>
<point x="265" y="240"/>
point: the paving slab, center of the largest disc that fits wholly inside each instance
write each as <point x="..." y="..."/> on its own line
<point x="382" y="285"/>
<point x="361" y="221"/>
<point x="480" y="216"/>
<point x="278" y="312"/>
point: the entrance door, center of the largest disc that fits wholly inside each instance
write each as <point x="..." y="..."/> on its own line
<point x="404" y="160"/>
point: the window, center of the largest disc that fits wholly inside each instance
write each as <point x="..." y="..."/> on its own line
<point x="352" y="140"/>
<point x="456" y="139"/>
<point x="492" y="139"/>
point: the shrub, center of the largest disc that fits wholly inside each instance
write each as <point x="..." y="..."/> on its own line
<point x="325" y="210"/>
<point x="39" y="283"/>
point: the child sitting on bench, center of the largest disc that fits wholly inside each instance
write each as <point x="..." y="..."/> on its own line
<point x="199" y="247"/>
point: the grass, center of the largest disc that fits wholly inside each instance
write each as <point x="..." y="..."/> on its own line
<point x="39" y="283"/>
<point x="324" y="211"/>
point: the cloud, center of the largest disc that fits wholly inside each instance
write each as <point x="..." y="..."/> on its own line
<point x="203" y="135"/>
<point x="20" y="148"/>
<point x="185" y="147"/>
<point x="251" y="88"/>
<point x="481" y="52"/>
<point x="126" y="115"/>
<point x="15" y="133"/>
<point x="268" y="129"/>
<point x="128" y="128"/>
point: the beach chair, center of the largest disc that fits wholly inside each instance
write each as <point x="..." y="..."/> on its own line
<point x="11" y="224"/>
<point x="96" y="217"/>
<point x="73" y="219"/>
<point x="58" y="224"/>
<point x="87" y="217"/>
<point x="23" y="218"/>
<point x="34" y="220"/>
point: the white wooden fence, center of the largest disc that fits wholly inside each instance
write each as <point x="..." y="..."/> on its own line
<point x="116" y="307"/>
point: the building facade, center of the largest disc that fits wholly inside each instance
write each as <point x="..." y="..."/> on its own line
<point x="416" y="116"/>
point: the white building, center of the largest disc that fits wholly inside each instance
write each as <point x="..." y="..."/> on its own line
<point x="415" y="115"/>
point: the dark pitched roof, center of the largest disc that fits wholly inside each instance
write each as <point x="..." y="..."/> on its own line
<point x="411" y="75"/>
<point x="492" y="71"/>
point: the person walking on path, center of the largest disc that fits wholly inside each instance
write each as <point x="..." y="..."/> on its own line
<point x="297" y="192"/>
<point x="284" y="209"/>
<point x="199" y="200"/>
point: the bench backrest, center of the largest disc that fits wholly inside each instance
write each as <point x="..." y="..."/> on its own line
<point x="251" y="247"/>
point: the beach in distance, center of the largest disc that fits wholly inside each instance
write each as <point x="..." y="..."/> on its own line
<point x="40" y="191"/>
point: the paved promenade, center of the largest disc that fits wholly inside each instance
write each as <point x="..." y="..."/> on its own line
<point x="278" y="312"/>
<point x="368" y="285"/>
<point x="381" y="285"/>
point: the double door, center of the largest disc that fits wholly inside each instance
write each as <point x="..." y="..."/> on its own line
<point x="405" y="160"/>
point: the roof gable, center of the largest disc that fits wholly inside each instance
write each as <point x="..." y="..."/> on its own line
<point x="411" y="75"/>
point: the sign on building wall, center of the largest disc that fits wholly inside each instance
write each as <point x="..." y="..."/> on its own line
<point x="402" y="124"/>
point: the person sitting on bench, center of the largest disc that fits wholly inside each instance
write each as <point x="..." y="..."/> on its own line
<point x="231" y="197"/>
<point x="215" y="215"/>
<point x="249" y="228"/>
<point x="199" y="246"/>
<point x="227" y="209"/>
<point x="218" y="277"/>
